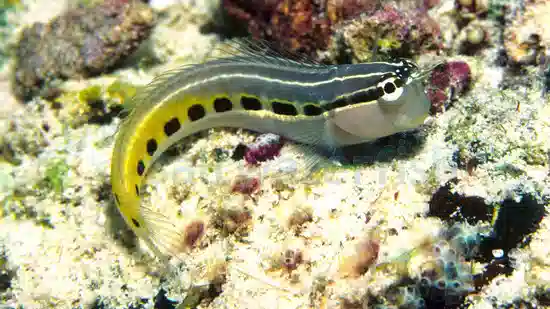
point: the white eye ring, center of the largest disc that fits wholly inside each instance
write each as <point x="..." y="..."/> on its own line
<point x="390" y="97"/>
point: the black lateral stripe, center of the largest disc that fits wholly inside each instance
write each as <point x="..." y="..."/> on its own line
<point x="284" y="108"/>
<point x="367" y="96"/>
<point x="340" y="102"/>
<point x="356" y="98"/>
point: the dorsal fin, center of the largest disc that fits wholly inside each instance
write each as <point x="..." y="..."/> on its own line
<point x="244" y="50"/>
<point x="249" y="50"/>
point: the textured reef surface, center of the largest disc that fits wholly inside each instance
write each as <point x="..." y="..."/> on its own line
<point x="452" y="215"/>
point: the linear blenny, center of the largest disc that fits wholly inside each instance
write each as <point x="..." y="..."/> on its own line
<point x="260" y="90"/>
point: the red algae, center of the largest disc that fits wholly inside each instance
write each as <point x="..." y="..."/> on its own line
<point x="266" y="147"/>
<point x="447" y="82"/>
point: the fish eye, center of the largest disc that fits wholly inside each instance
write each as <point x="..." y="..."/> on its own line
<point x="392" y="92"/>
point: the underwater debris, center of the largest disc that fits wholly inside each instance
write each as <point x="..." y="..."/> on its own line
<point x="21" y="136"/>
<point x="82" y="43"/>
<point x="404" y="297"/>
<point x="20" y="205"/>
<point x="447" y="82"/>
<point x="477" y="7"/>
<point x="299" y="216"/>
<point x="265" y="147"/>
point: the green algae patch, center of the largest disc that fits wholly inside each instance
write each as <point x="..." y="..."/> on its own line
<point x="121" y="92"/>
<point x="94" y="104"/>
<point x="54" y="177"/>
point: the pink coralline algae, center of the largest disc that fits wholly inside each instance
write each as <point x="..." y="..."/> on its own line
<point x="266" y="147"/>
<point x="447" y="82"/>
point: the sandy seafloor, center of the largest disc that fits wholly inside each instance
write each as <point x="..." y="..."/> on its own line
<point x="71" y="249"/>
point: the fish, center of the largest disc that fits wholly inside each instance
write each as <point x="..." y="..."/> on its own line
<point x="265" y="90"/>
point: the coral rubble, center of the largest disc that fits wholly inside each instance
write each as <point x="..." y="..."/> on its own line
<point x="453" y="214"/>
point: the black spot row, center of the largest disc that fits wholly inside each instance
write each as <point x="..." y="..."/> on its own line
<point x="222" y="105"/>
<point x="151" y="146"/>
<point x="253" y="104"/>
<point x="312" y="110"/>
<point x="172" y="126"/>
<point x="196" y="112"/>
<point x="140" y="168"/>
<point x="284" y="109"/>
<point x="250" y="103"/>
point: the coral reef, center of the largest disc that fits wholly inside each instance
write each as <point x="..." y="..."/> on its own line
<point x="296" y="25"/>
<point x="451" y="215"/>
<point x="387" y="32"/>
<point x="526" y="37"/>
<point x="448" y="81"/>
<point x="81" y="43"/>
<point x="310" y="26"/>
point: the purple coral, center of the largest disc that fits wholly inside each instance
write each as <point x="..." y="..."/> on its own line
<point x="266" y="147"/>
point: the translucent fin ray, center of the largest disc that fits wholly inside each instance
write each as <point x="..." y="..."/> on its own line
<point x="248" y="50"/>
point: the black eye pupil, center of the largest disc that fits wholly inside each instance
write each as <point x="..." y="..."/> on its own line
<point x="389" y="87"/>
